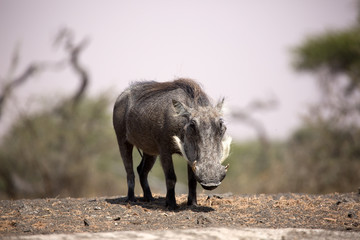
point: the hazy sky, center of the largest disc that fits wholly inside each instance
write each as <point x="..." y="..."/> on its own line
<point x="237" y="49"/>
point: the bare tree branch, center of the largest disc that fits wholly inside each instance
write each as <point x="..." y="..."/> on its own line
<point x="9" y="87"/>
<point x="31" y="70"/>
<point x="84" y="77"/>
<point x="247" y="119"/>
<point x="65" y="37"/>
<point x="245" y="116"/>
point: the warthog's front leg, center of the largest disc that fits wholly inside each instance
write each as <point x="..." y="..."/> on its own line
<point x="168" y="167"/>
<point x="192" y="187"/>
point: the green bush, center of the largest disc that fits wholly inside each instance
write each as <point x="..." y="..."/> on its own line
<point x="324" y="159"/>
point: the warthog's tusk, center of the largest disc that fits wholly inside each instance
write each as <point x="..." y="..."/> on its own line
<point x="226" y="148"/>
<point x="226" y="167"/>
<point x="194" y="166"/>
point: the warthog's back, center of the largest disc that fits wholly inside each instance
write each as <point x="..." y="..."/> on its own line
<point x="146" y="110"/>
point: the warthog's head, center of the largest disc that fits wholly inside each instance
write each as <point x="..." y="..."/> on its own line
<point x="203" y="142"/>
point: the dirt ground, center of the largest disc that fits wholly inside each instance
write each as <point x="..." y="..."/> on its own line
<point x="106" y="214"/>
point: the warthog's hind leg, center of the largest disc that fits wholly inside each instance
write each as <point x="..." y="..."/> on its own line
<point x="146" y="164"/>
<point x="126" y="155"/>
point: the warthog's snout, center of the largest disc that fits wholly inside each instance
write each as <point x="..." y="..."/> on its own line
<point x="210" y="186"/>
<point x="209" y="175"/>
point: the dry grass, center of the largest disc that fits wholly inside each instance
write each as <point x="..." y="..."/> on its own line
<point x="44" y="216"/>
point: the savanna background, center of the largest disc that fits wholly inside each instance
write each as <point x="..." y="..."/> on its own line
<point x="290" y="71"/>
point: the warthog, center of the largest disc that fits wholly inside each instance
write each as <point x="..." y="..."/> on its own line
<point x="167" y="118"/>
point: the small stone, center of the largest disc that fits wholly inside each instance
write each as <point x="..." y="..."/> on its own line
<point x="218" y="196"/>
<point x="203" y="220"/>
<point x="117" y="219"/>
<point x="282" y="198"/>
<point x="136" y="222"/>
<point x="351" y="215"/>
<point x="97" y="208"/>
<point x="86" y="222"/>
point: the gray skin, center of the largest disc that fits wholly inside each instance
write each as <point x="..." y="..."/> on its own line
<point x="171" y="118"/>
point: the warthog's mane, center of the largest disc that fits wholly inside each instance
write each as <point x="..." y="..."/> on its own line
<point x="189" y="86"/>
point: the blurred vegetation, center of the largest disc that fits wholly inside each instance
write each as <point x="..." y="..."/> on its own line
<point x="325" y="151"/>
<point x="324" y="158"/>
<point x="63" y="152"/>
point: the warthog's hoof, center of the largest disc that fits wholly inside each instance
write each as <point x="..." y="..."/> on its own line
<point x="130" y="199"/>
<point x="172" y="206"/>
<point x="148" y="199"/>
<point x="192" y="202"/>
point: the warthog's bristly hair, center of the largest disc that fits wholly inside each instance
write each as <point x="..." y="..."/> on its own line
<point x="190" y="87"/>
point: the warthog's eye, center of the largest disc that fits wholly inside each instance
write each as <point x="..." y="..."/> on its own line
<point x="222" y="126"/>
<point x="192" y="126"/>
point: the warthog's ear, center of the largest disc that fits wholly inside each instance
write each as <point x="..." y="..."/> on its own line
<point x="180" y="109"/>
<point x="220" y="104"/>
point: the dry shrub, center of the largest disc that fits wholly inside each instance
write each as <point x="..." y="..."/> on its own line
<point x="68" y="152"/>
